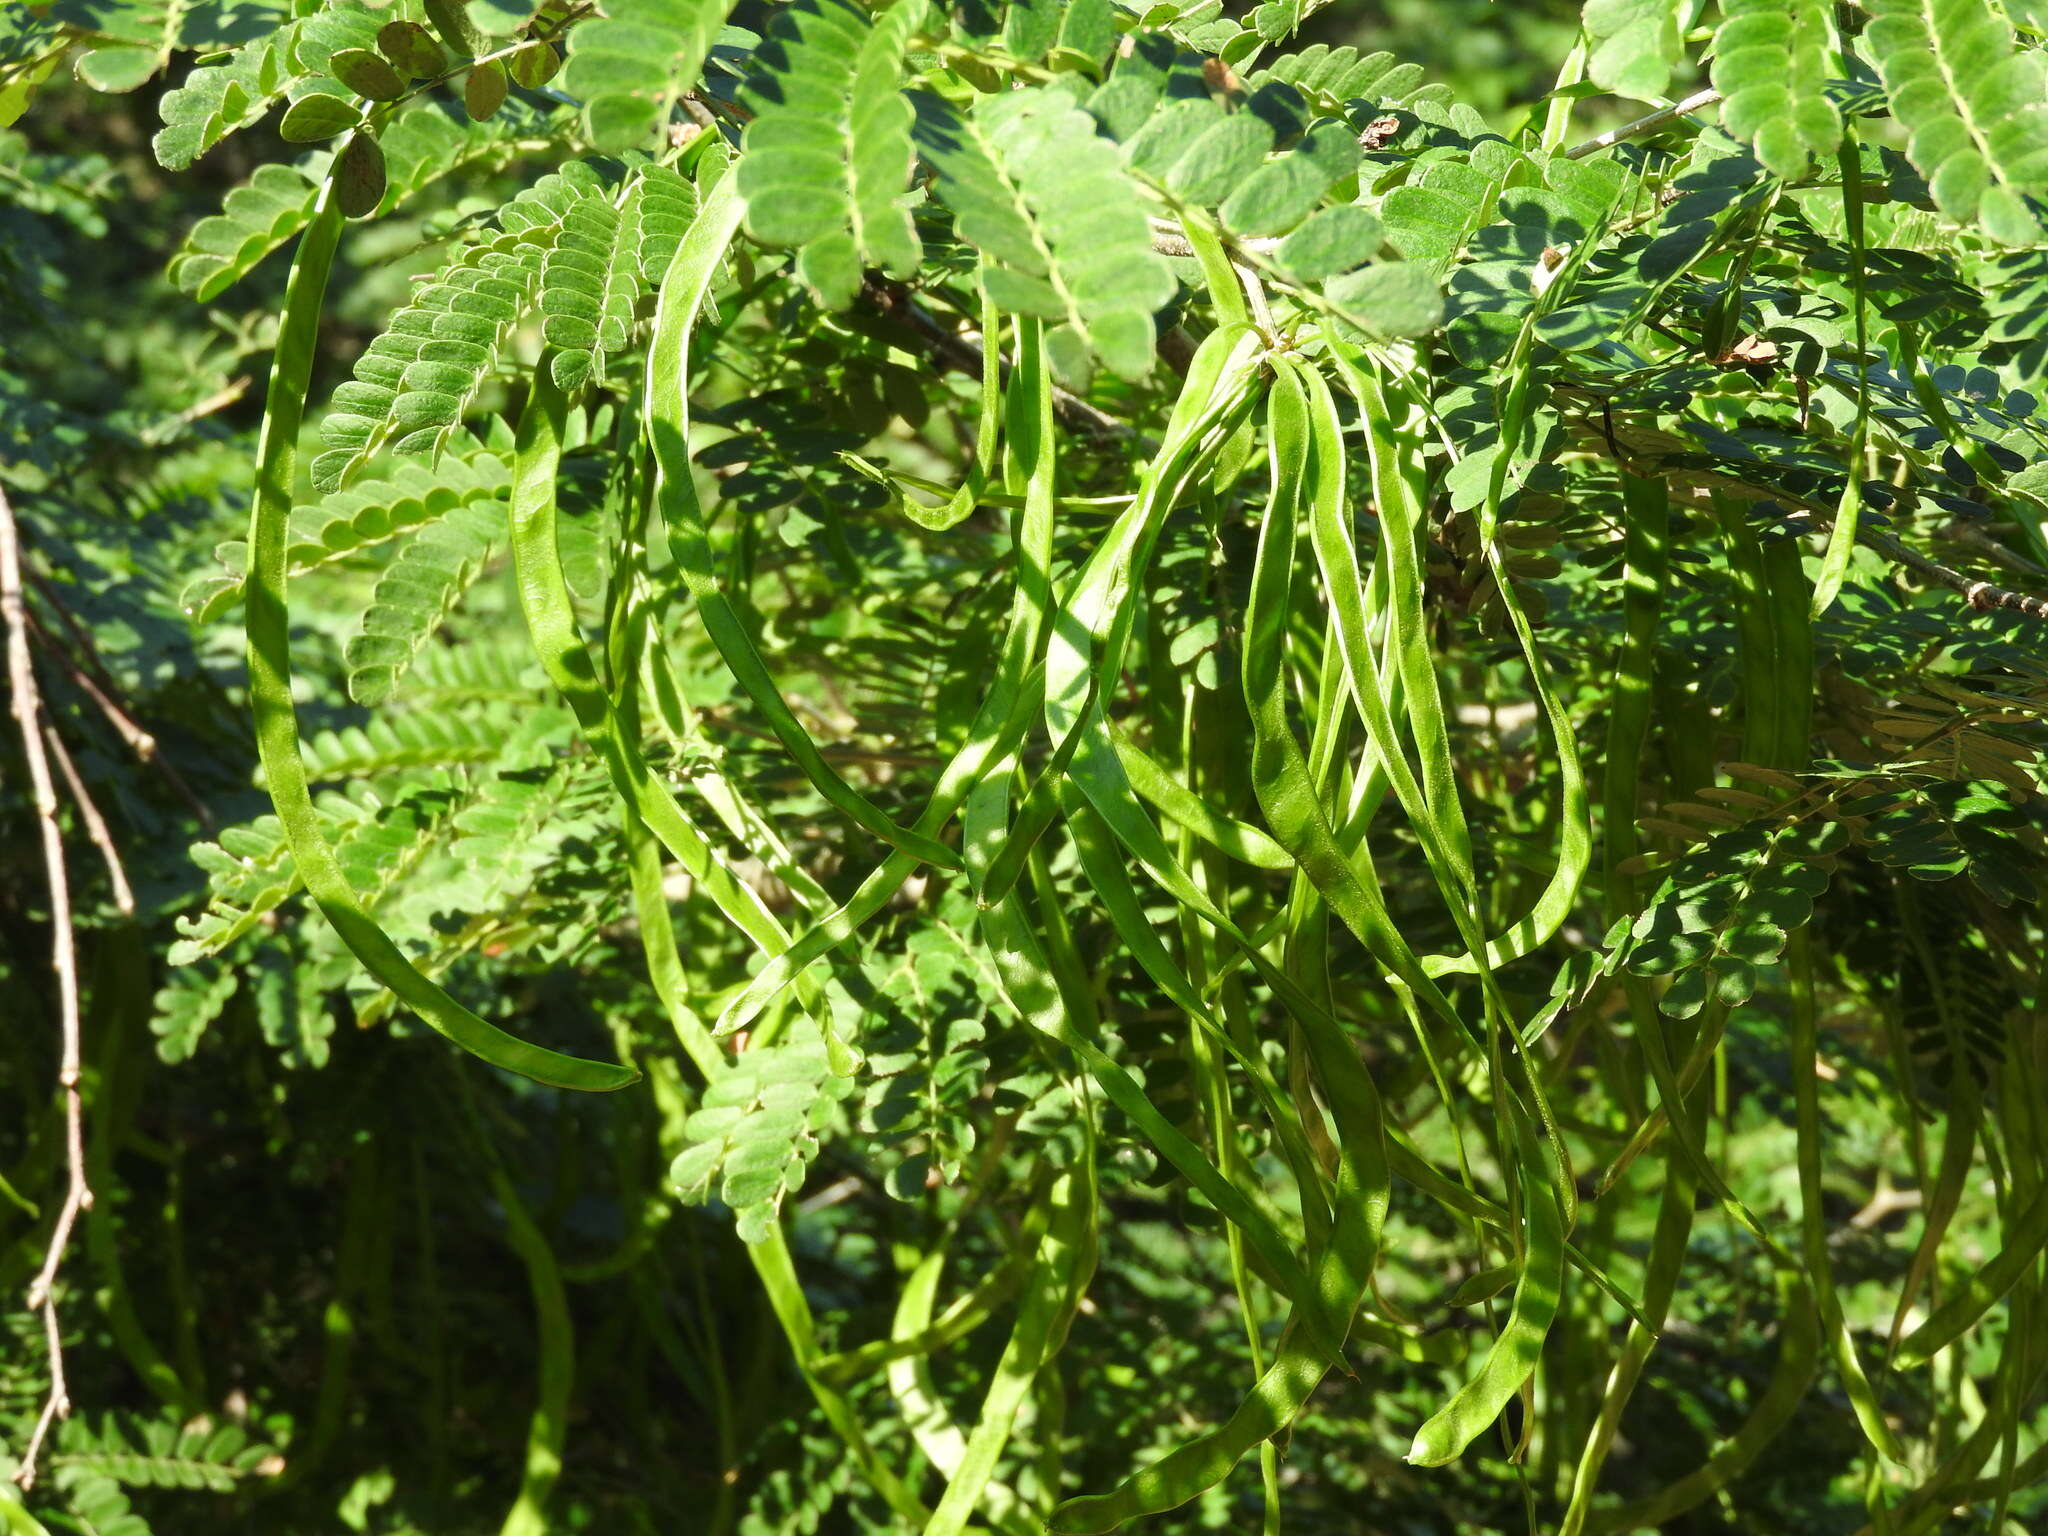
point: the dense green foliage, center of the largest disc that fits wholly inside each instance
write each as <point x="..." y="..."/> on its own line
<point x="1051" y="765"/>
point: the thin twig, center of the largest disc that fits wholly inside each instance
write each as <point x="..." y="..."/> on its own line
<point x="1657" y="119"/>
<point x="102" y="692"/>
<point x="95" y="824"/>
<point x="27" y="706"/>
<point x="956" y="351"/>
<point x="133" y="736"/>
<point x="1981" y="594"/>
<point x="1959" y="532"/>
<point x="1168" y="240"/>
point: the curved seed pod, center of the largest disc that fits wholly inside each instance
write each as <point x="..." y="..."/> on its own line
<point x="682" y="292"/>
<point x="268" y="627"/>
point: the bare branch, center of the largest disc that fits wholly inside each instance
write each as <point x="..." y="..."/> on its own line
<point x="95" y="824"/>
<point x="1168" y="240"/>
<point x="27" y="709"/>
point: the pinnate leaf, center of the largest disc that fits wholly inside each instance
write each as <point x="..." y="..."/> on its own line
<point x="1037" y="190"/>
<point x="1974" y="107"/>
<point x="1771" y="68"/>
<point x="828" y="153"/>
<point x="634" y="63"/>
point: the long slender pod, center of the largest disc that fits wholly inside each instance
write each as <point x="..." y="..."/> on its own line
<point x="1064" y="1254"/>
<point x="999" y="724"/>
<point x="268" y="627"/>
<point x="555" y="1344"/>
<point x="683" y="289"/>
<point x="551" y="622"/>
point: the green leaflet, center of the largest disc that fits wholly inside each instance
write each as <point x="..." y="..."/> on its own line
<point x="1975" y="108"/>
<point x="276" y="717"/>
<point x="633" y="64"/>
<point x="1635" y="44"/>
<point x="827" y="155"/>
<point x="1036" y="190"/>
<point x="1771" y="66"/>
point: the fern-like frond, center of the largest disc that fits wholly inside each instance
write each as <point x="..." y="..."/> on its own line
<point x="98" y="1506"/>
<point x="414" y="383"/>
<point x="477" y="672"/>
<point x="415" y="739"/>
<point x="755" y="1132"/>
<point x="1771" y="68"/>
<point x="416" y="593"/>
<point x="160" y="1453"/>
<point x="1726" y="908"/>
<point x="590" y="282"/>
<point x="1334" y="76"/>
<point x="255" y="219"/>
<point x="633" y="64"/>
<point x="926" y="1058"/>
<point x="1975" y="107"/>
<point x="186" y="1006"/>
<point x="521" y="814"/>
<point x="667" y="205"/>
<point x="828" y="154"/>
<point x="1038" y="191"/>
<point x="249" y="873"/>
<point x="379" y="829"/>
<point x="360" y="518"/>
